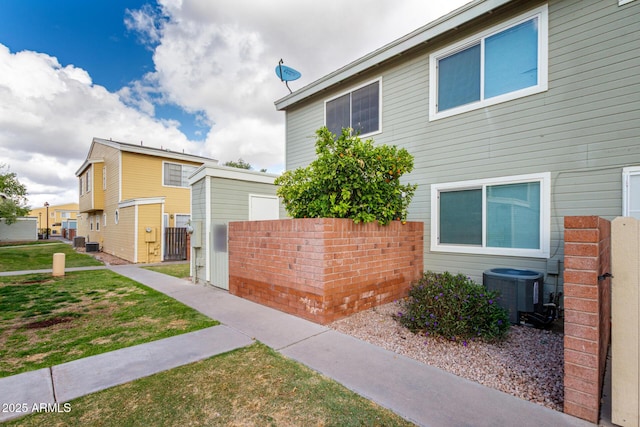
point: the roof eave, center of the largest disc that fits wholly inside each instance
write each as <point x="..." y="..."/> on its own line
<point x="448" y="22"/>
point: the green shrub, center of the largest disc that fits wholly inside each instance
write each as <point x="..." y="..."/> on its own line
<point x="453" y="307"/>
<point x="350" y="178"/>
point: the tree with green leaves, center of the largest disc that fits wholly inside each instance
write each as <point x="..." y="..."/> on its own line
<point x="13" y="196"/>
<point x="350" y="178"/>
<point x="240" y="164"/>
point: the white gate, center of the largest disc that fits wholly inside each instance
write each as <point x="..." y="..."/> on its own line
<point x="625" y="322"/>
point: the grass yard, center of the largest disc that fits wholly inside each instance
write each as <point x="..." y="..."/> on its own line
<point x="48" y="320"/>
<point x="252" y="386"/>
<point x="180" y="271"/>
<point x="40" y="256"/>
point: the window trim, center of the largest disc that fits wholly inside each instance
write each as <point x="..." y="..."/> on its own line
<point x="353" y="89"/>
<point x="542" y="13"/>
<point x="88" y="180"/>
<point x="545" y="216"/>
<point x="627" y="172"/>
<point x="182" y="165"/>
<point x="176" y="215"/>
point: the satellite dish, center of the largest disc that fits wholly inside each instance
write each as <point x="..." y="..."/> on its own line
<point x="287" y="74"/>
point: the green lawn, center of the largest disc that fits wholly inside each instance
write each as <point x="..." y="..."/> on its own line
<point x="252" y="386"/>
<point x="176" y="270"/>
<point x="40" y="257"/>
<point x="48" y="320"/>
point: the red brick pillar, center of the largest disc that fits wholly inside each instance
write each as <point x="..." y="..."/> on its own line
<point x="587" y="304"/>
<point x="188" y="247"/>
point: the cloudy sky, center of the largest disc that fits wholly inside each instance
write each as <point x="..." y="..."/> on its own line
<point x="192" y="75"/>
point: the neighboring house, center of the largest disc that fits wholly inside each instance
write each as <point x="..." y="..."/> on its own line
<point x="60" y="217"/>
<point x="131" y="194"/>
<point x="517" y="113"/>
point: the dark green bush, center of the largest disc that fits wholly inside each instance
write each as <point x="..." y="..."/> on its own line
<point x="453" y="307"/>
<point x="350" y="178"/>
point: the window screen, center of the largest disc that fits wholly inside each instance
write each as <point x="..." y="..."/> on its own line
<point x="359" y="110"/>
<point x="461" y="217"/>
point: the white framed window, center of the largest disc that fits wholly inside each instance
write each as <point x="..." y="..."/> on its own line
<point x="104" y="177"/>
<point x="87" y="180"/>
<point x="359" y="109"/>
<point x="631" y="191"/>
<point x="97" y="223"/>
<point x="176" y="174"/>
<point x="498" y="216"/>
<point x="506" y="62"/>
<point x="104" y="219"/>
<point x="91" y="223"/>
<point x="116" y="217"/>
<point x="181" y="220"/>
<point x="80" y="185"/>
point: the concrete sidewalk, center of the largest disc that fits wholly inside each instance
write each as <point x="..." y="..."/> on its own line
<point x="420" y="393"/>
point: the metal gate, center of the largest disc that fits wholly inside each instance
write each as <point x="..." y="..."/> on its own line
<point x="175" y="243"/>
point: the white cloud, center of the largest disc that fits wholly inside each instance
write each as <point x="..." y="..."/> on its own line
<point x="214" y="59"/>
<point x="49" y="115"/>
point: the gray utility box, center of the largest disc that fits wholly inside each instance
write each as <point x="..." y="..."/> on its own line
<point x="92" y="247"/>
<point x="522" y="291"/>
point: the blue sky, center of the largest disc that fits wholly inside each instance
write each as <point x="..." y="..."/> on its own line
<point x="192" y="75"/>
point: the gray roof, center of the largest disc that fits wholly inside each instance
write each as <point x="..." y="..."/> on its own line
<point x="141" y="149"/>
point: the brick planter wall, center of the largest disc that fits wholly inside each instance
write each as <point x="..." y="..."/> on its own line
<point x="323" y="269"/>
<point x="587" y="303"/>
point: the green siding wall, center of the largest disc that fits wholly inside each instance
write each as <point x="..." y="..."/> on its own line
<point x="584" y="129"/>
<point x="230" y="199"/>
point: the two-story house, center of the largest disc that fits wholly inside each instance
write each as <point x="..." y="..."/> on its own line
<point x="61" y="217"/>
<point x="517" y="113"/>
<point x="129" y="195"/>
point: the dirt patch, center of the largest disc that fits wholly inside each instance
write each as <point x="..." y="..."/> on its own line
<point x="106" y="258"/>
<point x="48" y="322"/>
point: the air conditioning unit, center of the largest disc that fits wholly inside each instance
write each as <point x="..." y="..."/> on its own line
<point x="522" y="291"/>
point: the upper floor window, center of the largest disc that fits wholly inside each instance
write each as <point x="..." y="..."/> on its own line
<point x="104" y="177"/>
<point x="177" y="175"/>
<point x="499" y="216"/>
<point x="503" y="63"/>
<point x="87" y="180"/>
<point x="358" y="109"/>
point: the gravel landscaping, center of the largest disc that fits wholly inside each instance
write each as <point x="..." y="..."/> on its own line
<point x="528" y="364"/>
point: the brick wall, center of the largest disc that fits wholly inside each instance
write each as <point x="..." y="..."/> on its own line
<point x="587" y="303"/>
<point x="323" y="269"/>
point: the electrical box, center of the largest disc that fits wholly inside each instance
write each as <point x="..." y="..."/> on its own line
<point x="196" y="236"/>
<point x="150" y="234"/>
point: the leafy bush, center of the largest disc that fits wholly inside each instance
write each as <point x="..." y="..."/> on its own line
<point x="350" y="178"/>
<point x="453" y="307"/>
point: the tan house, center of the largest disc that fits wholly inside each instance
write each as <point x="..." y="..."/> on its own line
<point x="61" y="217"/>
<point x="131" y="197"/>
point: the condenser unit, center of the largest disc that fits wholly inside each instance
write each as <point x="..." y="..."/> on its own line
<point x="521" y="291"/>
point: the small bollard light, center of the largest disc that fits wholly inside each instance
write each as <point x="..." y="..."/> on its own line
<point x="58" y="264"/>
